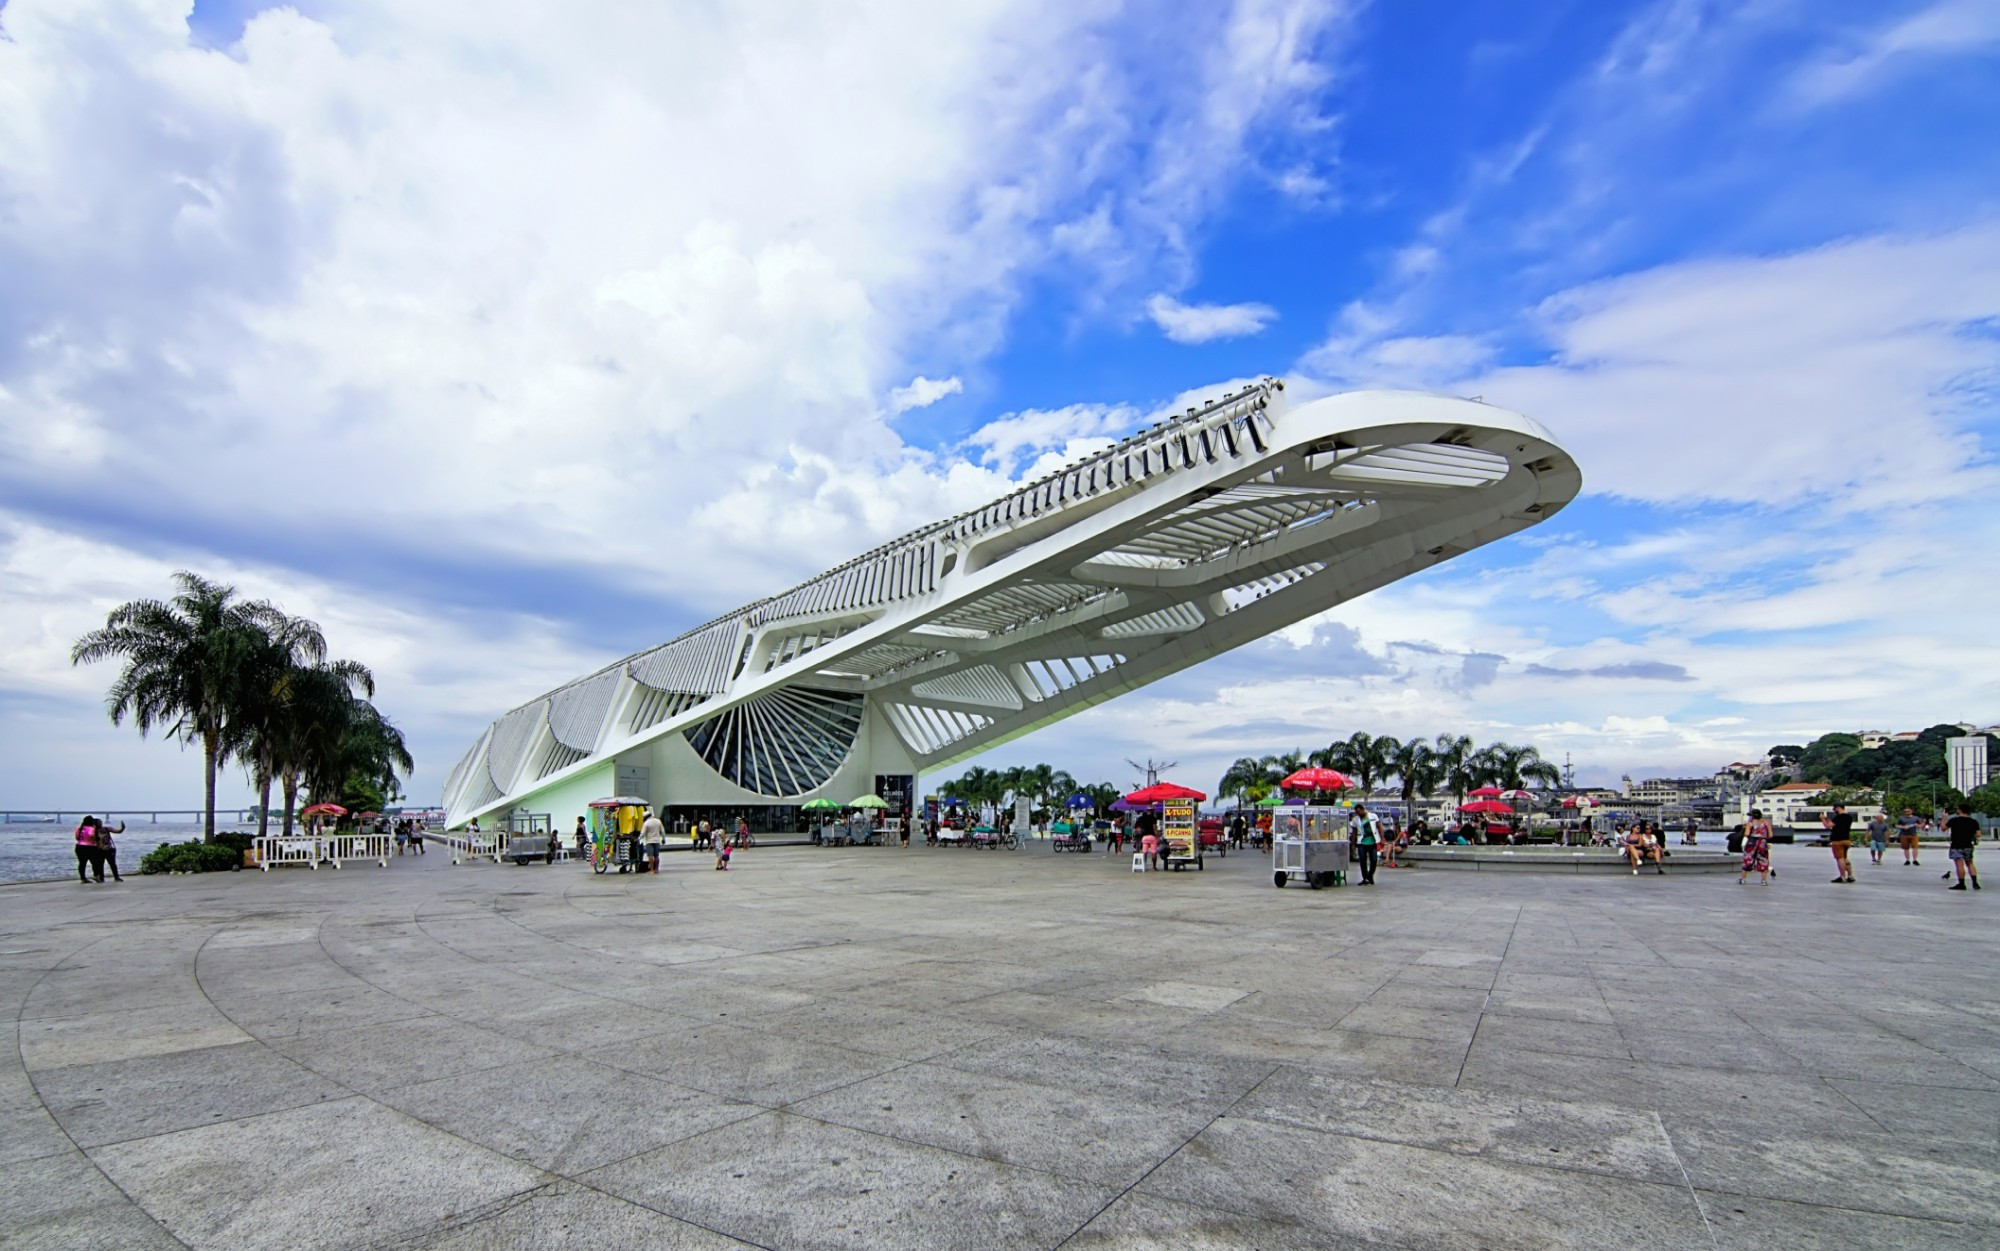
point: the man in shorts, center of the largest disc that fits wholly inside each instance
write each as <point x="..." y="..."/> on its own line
<point x="1878" y="838"/>
<point x="1840" y="836"/>
<point x="1964" y="833"/>
<point x="1906" y="835"/>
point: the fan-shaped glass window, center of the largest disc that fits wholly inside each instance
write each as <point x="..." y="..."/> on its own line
<point x="785" y="743"/>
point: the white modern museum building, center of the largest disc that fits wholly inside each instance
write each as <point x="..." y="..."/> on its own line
<point x="1187" y="539"/>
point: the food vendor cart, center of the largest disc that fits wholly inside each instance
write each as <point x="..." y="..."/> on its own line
<point x="1180" y="843"/>
<point x="1309" y="844"/>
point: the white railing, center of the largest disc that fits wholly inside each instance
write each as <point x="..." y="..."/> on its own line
<point x="486" y="845"/>
<point x="374" y="847"/>
<point x="275" y="849"/>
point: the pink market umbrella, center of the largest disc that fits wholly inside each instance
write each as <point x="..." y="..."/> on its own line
<point x="1485" y="792"/>
<point x="1486" y="805"/>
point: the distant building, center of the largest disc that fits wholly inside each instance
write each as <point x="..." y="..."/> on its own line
<point x="1965" y="763"/>
<point x="1780" y="803"/>
<point x="1871" y="739"/>
<point x="1676" y="791"/>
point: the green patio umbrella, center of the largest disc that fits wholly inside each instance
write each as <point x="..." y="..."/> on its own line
<point x="1271" y="801"/>
<point x="818" y="805"/>
<point x="869" y="801"/>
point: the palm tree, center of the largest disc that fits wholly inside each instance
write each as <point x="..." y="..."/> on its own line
<point x="1460" y="767"/>
<point x="1365" y="758"/>
<point x="315" y="714"/>
<point x="186" y="664"/>
<point x="1416" y="766"/>
<point x="359" y="764"/>
<point x="270" y="691"/>
<point x="1247" y="780"/>
<point x="1514" y="767"/>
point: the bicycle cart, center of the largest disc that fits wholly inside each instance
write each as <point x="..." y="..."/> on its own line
<point x="1309" y="845"/>
<point x="614" y="832"/>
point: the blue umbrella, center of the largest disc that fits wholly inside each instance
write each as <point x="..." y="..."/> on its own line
<point x="1082" y="801"/>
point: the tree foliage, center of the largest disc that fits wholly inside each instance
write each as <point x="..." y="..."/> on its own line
<point x="248" y="682"/>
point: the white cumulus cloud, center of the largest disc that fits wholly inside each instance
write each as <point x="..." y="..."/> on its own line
<point x="1201" y="323"/>
<point x="923" y="392"/>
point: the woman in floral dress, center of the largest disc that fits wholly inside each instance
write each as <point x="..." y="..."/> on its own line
<point x="1756" y="848"/>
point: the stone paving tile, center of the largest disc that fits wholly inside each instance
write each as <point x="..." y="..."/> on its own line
<point x="55" y="1042"/>
<point x="1871" y="1173"/>
<point x="747" y="1064"/>
<point x="890" y="1032"/>
<point x="348" y="1173"/>
<point x="1143" y="1222"/>
<point x="104" y="1103"/>
<point x="1146" y="1074"/>
<point x="399" y="1053"/>
<point x="789" y="1181"/>
<point x="1069" y="1132"/>
<point x="565" y="1217"/>
<point x="1943" y="1114"/>
<point x="1387" y="1194"/>
<point x="28" y="1132"/>
<point x="566" y="1115"/>
<point x="1697" y="1095"/>
<point x="1595" y="1137"/>
<point x="274" y="1015"/>
<point x="63" y="1201"/>
<point x="1742" y="1223"/>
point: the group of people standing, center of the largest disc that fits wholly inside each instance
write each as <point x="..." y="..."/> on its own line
<point x="1961" y="827"/>
<point x="96" y="850"/>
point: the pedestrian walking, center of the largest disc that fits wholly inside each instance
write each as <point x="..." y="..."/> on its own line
<point x="722" y="854"/>
<point x="109" y="850"/>
<point x="1840" y="836"/>
<point x="1964" y="833"/>
<point x="1756" y="848"/>
<point x="87" y="855"/>
<point x="1906" y="835"/>
<point x="1367" y="842"/>
<point x="1878" y="838"/>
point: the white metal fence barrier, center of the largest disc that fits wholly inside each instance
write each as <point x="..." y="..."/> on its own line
<point x="485" y="845"/>
<point x="374" y="847"/>
<point x="275" y="849"/>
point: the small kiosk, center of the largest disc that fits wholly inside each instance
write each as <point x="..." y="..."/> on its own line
<point x="1180" y="844"/>
<point x="1309" y="844"/>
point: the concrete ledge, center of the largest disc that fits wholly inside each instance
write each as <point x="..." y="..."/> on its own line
<point x="1562" y="860"/>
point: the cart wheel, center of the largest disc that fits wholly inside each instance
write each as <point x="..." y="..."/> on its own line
<point x="1278" y="879"/>
<point x="1313" y="880"/>
<point x="521" y="860"/>
<point x="600" y="866"/>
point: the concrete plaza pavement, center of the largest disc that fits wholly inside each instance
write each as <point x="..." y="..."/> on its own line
<point x="883" y="1048"/>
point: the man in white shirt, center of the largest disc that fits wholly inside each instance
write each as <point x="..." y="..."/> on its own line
<point x="652" y="834"/>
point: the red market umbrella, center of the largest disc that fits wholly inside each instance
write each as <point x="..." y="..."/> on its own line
<point x="1579" y="801"/>
<point x="1486" y="805"/>
<point x="1485" y="792"/>
<point x="323" y="810"/>
<point x="1159" y="792"/>
<point x="1317" y="780"/>
<point x="1517" y="794"/>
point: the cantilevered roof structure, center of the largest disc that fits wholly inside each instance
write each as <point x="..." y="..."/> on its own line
<point x="1189" y="538"/>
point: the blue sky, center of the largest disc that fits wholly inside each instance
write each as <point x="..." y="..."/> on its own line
<point x="505" y="339"/>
